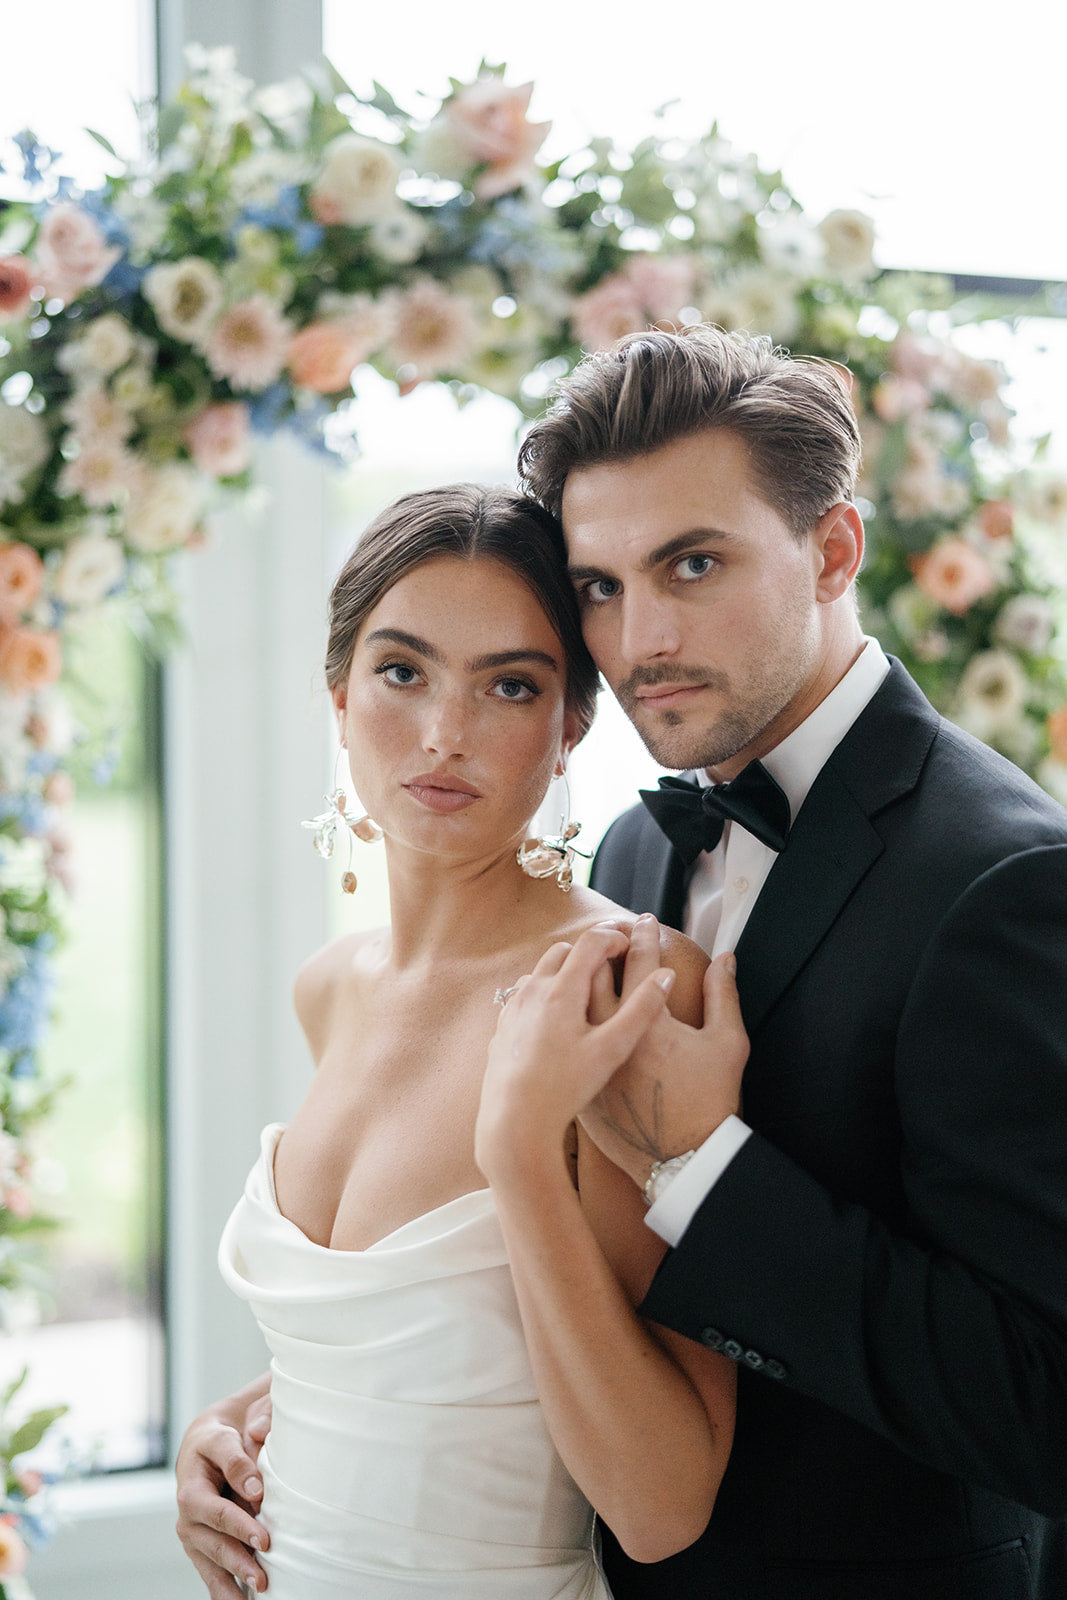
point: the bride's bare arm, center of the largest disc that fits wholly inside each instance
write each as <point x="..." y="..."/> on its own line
<point x="642" y="1418"/>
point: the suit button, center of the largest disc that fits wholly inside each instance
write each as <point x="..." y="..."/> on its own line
<point x="712" y="1338"/>
<point x="732" y="1349"/>
<point x="753" y="1359"/>
<point x="774" y="1369"/>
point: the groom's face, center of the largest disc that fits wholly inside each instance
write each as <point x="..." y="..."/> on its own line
<point x="698" y="601"/>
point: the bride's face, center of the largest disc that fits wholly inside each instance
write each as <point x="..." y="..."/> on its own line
<point x="454" y="708"/>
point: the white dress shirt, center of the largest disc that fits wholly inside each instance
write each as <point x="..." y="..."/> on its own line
<point x="725" y="886"/>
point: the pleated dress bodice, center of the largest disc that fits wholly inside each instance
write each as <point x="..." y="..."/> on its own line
<point x="408" y="1451"/>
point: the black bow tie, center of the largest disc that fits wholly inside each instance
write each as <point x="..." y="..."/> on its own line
<point x="693" y="817"/>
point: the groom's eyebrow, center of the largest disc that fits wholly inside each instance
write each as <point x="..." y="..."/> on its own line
<point x="670" y="548"/>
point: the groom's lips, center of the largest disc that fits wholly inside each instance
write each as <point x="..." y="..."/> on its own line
<point x="442" y="791"/>
<point x="667" y="696"/>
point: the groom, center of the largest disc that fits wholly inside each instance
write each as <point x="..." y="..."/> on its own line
<point x="881" y="1243"/>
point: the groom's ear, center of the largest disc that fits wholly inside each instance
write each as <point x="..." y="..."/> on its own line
<point x="838" y="539"/>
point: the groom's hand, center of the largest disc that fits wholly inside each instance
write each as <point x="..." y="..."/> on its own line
<point x="680" y="1082"/>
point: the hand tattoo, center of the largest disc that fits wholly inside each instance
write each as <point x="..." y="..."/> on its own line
<point x="647" y="1140"/>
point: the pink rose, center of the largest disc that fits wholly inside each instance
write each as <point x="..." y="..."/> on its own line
<point x="663" y="284"/>
<point x="954" y="574"/>
<point x="21" y="572"/>
<point x="434" y="332"/>
<point x="13" y="1553"/>
<point x="16" y="281"/>
<point x="219" y="440"/>
<point x="488" y="121"/>
<point x="18" y="1201"/>
<point x="30" y="1482"/>
<point x="607" y="312"/>
<point x="30" y="658"/>
<point x="59" y="788"/>
<point x="73" y="253"/>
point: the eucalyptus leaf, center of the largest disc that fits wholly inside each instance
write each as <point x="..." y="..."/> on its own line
<point x="33" y="1430"/>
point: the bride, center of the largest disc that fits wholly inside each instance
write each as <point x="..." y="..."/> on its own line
<point x="459" y="1378"/>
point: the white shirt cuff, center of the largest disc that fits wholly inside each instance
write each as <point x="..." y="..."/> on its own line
<point x="685" y="1193"/>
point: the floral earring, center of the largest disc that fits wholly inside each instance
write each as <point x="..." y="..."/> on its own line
<point x="326" y="825"/>
<point x="552" y="855"/>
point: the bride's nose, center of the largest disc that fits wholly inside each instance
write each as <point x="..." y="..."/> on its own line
<point x="447" y="730"/>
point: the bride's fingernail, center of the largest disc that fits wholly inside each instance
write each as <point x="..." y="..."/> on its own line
<point x="253" y="1488"/>
<point x="665" y="979"/>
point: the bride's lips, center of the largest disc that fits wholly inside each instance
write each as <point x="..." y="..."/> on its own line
<point x="442" y="791"/>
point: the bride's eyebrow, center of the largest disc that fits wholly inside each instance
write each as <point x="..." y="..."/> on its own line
<point x="408" y="641"/>
<point x="510" y="658"/>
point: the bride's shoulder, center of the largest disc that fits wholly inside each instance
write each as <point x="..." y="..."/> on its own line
<point x="332" y="971"/>
<point x="687" y="959"/>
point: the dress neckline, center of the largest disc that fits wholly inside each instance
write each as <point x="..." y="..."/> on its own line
<point x="271" y="1138"/>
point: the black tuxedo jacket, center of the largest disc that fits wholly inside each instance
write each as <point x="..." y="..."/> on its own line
<point x="886" y="1257"/>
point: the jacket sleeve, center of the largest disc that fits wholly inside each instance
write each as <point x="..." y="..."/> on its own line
<point x="950" y="1339"/>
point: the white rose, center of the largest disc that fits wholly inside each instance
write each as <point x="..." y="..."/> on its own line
<point x="792" y="245"/>
<point x="766" y="303"/>
<point x="1025" y="621"/>
<point x="849" y="240"/>
<point x="91" y="566"/>
<point x="186" y="297"/>
<point x="992" y="693"/>
<point x="106" y="345"/>
<point x="24" y="447"/>
<point x="399" y="236"/>
<point x="163" y="509"/>
<point x="357" y="184"/>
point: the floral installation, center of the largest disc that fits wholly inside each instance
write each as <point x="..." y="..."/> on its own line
<point x="26" y="1522"/>
<point x="234" y="279"/>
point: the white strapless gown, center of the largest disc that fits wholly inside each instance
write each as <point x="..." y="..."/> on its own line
<point x="408" y="1453"/>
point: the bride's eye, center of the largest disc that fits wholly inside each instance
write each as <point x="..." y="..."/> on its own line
<point x="397" y="673"/>
<point x="515" y="689"/>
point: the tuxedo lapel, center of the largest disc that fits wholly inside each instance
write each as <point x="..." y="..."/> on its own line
<point x="833" y="842"/>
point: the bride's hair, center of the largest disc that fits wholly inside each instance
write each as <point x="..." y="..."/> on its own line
<point x="471" y="522"/>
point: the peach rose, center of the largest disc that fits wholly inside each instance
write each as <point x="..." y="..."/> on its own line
<point x="13" y="1553"/>
<point x="21" y="572"/>
<point x="30" y="658"/>
<point x="996" y="518"/>
<point x="488" y="121"/>
<point x="73" y="252"/>
<point x="16" y="281"/>
<point x="219" y="439"/>
<point x="323" y="355"/>
<point x="954" y="574"/>
<point x="1057" y="732"/>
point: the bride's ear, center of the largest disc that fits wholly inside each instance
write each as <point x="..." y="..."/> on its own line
<point x="571" y="736"/>
<point x="339" y="696"/>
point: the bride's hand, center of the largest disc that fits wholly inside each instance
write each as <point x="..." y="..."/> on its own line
<point x="547" y="1060"/>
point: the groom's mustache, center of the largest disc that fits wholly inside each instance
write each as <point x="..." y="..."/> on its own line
<point x="652" y="677"/>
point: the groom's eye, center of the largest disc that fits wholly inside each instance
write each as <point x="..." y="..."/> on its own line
<point x="694" y="566"/>
<point x="601" y="589"/>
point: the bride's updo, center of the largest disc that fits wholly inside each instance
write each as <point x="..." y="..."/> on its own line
<point x="468" y="521"/>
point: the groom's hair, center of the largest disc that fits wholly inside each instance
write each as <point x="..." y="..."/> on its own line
<point x="793" y="413"/>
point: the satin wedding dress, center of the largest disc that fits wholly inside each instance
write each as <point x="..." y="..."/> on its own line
<point x="408" y="1453"/>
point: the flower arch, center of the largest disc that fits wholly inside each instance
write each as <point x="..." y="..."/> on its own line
<point x="273" y="240"/>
